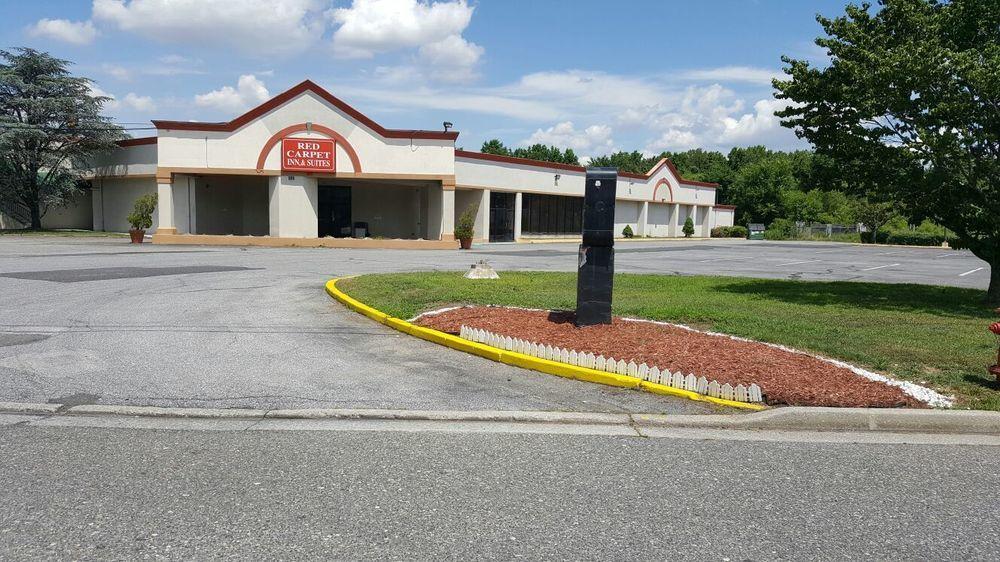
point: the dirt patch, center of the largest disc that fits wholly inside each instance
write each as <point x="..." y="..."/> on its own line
<point x="784" y="376"/>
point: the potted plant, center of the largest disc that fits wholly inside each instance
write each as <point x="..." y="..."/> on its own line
<point x="995" y="369"/>
<point x="466" y="227"/>
<point x="141" y="217"/>
<point x="627" y="231"/>
<point x="688" y="229"/>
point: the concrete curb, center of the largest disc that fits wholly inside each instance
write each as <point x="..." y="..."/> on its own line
<point x="525" y="361"/>
<point x="958" y="422"/>
<point x="839" y="419"/>
<point x="28" y="408"/>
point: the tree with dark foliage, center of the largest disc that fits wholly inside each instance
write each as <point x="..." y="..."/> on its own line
<point x="909" y="109"/>
<point x="51" y="128"/>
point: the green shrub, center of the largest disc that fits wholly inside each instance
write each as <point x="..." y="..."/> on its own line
<point x="627" y="231"/>
<point x="688" y="229"/>
<point x="730" y="232"/>
<point x="141" y="217"/>
<point x="914" y="238"/>
<point x="466" y="227"/>
<point x="780" y="229"/>
<point x="905" y="238"/>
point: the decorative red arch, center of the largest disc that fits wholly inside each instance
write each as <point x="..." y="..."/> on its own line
<point x="661" y="183"/>
<point x="341" y="141"/>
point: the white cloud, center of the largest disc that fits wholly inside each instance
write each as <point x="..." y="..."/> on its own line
<point x="74" y="32"/>
<point x="258" y="27"/>
<point x="249" y="91"/>
<point x="656" y="114"/>
<point x="117" y="71"/>
<point x="453" y="59"/>
<point x="432" y="29"/>
<point x="131" y="100"/>
<point x="748" y="74"/>
<point x="595" y="138"/>
<point x="754" y="126"/>
<point x="139" y="103"/>
<point x="377" y="26"/>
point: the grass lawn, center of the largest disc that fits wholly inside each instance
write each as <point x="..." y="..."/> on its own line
<point x="931" y="335"/>
<point x="61" y="232"/>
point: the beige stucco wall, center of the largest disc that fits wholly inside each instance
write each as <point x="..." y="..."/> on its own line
<point x="626" y="213"/>
<point x="292" y="207"/>
<point x="724" y="217"/>
<point x="480" y="200"/>
<point x="658" y="222"/>
<point x="503" y="176"/>
<point x="113" y="199"/>
<point x="129" y="160"/>
<point x="241" y="148"/>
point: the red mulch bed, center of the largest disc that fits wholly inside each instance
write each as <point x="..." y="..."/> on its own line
<point x="784" y="377"/>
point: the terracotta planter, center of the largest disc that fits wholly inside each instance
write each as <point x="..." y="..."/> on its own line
<point x="136" y="235"/>
<point x="466" y="243"/>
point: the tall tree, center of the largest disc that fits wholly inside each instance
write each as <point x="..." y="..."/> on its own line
<point x="633" y="162"/>
<point x="909" y="108"/>
<point x="495" y="146"/>
<point x="51" y="127"/>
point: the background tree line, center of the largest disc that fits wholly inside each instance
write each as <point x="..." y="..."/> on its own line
<point x="767" y="186"/>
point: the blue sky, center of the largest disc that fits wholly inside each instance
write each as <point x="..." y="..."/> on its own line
<point x="592" y="76"/>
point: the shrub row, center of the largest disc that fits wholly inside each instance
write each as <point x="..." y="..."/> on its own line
<point x="730" y="232"/>
<point x="905" y="238"/>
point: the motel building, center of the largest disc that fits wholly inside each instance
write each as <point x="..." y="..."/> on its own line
<point x="306" y="169"/>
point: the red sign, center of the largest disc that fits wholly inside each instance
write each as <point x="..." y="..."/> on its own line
<point x="308" y="155"/>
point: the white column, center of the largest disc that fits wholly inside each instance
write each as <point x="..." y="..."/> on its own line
<point x="518" y="200"/>
<point x="447" y="212"/>
<point x="165" y="205"/>
<point x="675" y="217"/>
<point x="643" y="225"/>
<point x="483" y="217"/>
<point x="181" y="188"/>
<point x="292" y="207"/>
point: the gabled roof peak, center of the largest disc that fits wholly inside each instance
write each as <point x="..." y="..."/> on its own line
<point x="292" y="93"/>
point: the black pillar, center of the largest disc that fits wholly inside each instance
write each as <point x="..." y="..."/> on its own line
<point x="596" y="266"/>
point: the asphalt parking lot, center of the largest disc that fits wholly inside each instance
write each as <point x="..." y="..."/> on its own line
<point x="101" y="321"/>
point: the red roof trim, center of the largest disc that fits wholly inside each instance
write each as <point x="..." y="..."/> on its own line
<point x="558" y="166"/>
<point x="288" y="95"/>
<point x="515" y="160"/>
<point x="137" y="142"/>
<point x="730" y="207"/>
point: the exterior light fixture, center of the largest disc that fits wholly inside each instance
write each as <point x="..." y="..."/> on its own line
<point x="557" y="178"/>
<point x="447" y="125"/>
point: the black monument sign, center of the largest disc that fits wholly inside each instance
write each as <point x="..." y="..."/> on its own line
<point x="596" y="266"/>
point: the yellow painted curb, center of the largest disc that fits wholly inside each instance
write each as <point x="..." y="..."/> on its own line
<point x="522" y="360"/>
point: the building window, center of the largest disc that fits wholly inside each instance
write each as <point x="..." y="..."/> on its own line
<point x="551" y="214"/>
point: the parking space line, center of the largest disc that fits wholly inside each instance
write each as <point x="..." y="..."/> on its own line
<point x="880" y="267"/>
<point x="971" y="272"/>
<point x="797" y="262"/>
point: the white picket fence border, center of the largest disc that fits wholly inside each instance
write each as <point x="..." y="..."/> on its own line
<point x="701" y="385"/>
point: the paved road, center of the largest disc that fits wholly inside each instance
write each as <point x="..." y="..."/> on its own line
<point x="97" y="320"/>
<point x="406" y="490"/>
